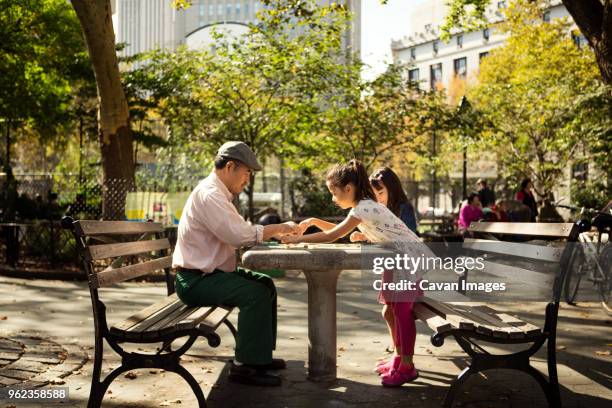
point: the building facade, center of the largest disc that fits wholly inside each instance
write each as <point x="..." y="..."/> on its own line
<point x="144" y="25"/>
<point x="434" y="63"/>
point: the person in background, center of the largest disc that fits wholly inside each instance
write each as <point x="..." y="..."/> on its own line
<point x="470" y="212"/>
<point x="525" y="196"/>
<point x="485" y="194"/>
<point x="389" y="192"/>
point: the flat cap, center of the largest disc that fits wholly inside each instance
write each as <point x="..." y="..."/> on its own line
<point x="241" y="152"/>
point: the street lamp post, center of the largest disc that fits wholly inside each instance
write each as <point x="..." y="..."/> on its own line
<point x="464" y="106"/>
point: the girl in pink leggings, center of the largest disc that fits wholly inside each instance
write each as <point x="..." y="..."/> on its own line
<point x="350" y="188"/>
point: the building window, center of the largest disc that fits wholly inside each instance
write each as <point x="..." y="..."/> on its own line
<point x="435" y="75"/>
<point x="546" y="16"/>
<point x="219" y="10"/>
<point x="435" y="46"/>
<point x="246" y="11"/>
<point x="501" y="4"/>
<point x="202" y="12"/>
<point x="412" y="54"/>
<point x="460" y="41"/>
<point x="228" y="10"/>
<point x="238" y="11"/>
<point x="211" y="10"/>
<point x="413" y="76"/>
<point x="482" y="55"/>
<point x="486" y="34"/>
<point x="460" y="65"/>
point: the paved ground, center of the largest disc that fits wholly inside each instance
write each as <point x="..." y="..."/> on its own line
<point x="49" y="324"/>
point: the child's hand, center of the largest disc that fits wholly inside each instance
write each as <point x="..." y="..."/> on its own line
<point x="304" y="225"/>
<point x="357" y="236"/>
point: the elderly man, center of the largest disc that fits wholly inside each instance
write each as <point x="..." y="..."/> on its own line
<point x="209" y="232"/>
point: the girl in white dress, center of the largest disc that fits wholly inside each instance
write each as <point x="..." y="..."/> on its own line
<point x="350" y="188"/>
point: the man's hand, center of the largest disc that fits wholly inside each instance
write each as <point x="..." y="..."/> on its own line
<point x="280" y="230"/>
<point x="291" y="239"/>
<point x="357" y="236"/>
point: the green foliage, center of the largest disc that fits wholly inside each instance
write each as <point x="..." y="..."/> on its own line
<point x="369" y="120"/>
<point x="265" y="88"/>
<point x="309" y="195"/>
<point x="531" y="89"/>
<point x="41" y="55"/>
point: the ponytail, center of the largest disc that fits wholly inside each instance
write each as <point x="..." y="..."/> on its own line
<point x="354" y="173"/>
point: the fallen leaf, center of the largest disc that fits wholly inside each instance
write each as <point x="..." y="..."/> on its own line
<point x="57" y="381"/>
<point x="341" y="349"/>
<point x="559" y="348"/>
<point x="131" y="375"/>
<point x="602" y="353"/>
<point x="291" y="338"/>
<point x="3" y="318"/>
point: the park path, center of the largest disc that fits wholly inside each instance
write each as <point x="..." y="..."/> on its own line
<point x="56" y="316"/>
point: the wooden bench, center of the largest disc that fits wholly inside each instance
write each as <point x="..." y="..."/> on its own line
<point x="472" y="324"/>
<point x="135" y="249"/>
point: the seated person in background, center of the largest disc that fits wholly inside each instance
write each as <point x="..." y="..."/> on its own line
<point x="470" y="212"/>
<point x="485" y="194"/>
<point x="497" y="212"/>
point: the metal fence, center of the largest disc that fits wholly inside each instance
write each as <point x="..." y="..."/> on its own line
<point x="32" y="205"/>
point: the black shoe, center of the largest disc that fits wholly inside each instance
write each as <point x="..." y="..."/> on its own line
<point x="276" y="364"/>
<point x="245" y="374"/>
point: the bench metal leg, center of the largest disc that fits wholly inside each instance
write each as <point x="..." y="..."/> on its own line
<point x="95" y="396"/>
<point x="132" y="361"/>
<point x="551" y="392"/>
<point x="195" y="387"/>
<point x="481" y="360"/>
<point x="456" y="385"/>
<point x="231" y="327"/>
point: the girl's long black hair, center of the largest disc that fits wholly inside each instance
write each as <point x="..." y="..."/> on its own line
<point x="355" y="173"/>
<point x="385" y="177"/>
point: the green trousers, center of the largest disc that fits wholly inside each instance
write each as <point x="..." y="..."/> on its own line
<point x="255" y="296"/>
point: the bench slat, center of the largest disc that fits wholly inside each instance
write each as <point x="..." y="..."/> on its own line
<point x="157" y="316"/>
<point x="148" y="311"/>
<point x="529" y="329"/>
<point x="96" y="252"/>
<point x="452" y="316"/>
<point x="499" y="328"/>
<point x="530" y="251"/>
<point x="111" y="276"/>
<point x="434" y="321"/>
<point x="214" y="319"/>
<point x="182" y="313"/>
<point x="541" y="279"/>
<point x="87" y="227"/>
<point x="557" y="230"/>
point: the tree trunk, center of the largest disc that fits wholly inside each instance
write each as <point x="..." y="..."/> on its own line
<point x="594" y="20"/>
<point x="116" y="138"/>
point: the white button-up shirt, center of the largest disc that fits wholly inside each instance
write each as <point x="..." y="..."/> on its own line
<point x="211" y="229"/>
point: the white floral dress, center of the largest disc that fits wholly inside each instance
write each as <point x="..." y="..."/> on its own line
<point x="380" y="225"/>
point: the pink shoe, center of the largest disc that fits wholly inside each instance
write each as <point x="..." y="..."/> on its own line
<point x="383" y="368"/>
<point x="400" y="376"/>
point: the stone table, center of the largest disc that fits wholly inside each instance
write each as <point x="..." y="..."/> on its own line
<point x="321" y="264"/>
